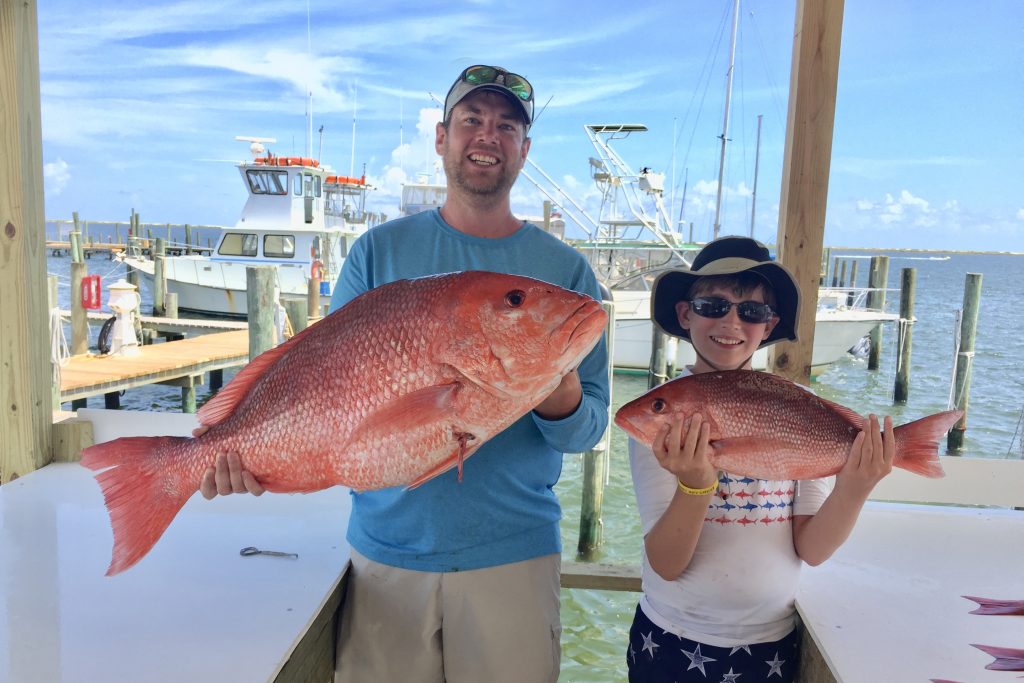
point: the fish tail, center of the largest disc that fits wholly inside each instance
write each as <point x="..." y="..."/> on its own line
<point x="141" y="491"/>
<point x="1006" y="658"/>
<point x="917" y="443"/>
<point x="992" y="606"/>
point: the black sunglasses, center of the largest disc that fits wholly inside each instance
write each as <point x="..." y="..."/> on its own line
<point x="484" y="75"/>
<point x="717" y="307"/>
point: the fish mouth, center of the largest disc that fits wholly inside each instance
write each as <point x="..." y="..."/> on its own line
<point x="587" y="324"/>
<point x="627" y="425"/>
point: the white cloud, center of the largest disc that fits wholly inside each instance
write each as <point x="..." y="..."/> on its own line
<point x="56" y="176"/>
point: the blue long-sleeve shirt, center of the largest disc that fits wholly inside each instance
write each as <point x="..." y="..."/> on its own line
<point x="505" y="509"/>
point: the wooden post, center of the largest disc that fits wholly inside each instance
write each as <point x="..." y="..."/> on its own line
<point x="808" y="156"/>
<point x="79" y="316"/>
<point x="171" y="305"/>
<point x="260" y="302"/>
<point x="26" y="418"/>
<point x="878" y="280"/>
<point x="159" y="277"/>
<point x="965" y="358"/>
<point x="902" y="388"/>
<point x="297" y="310"/>
<point x="53" y="301"/>
<point x="656" y="372"/>
<point x="75" y="240"/>
<point x="835" y="272"/>
<point x="852" y="295"/>
<point x="595" y="465"/>
<point x="842" y="273"/>
<point x="826" y="256"/>
<point x="313" y="299"/>
<point x="134" y="249"/>
<point x="188" y="239"/>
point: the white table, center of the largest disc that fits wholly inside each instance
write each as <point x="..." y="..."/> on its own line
<point x="888" y="607"/>
<point x="192" y="610"/>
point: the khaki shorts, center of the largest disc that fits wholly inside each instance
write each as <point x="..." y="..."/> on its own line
<point x="481" y="626"/>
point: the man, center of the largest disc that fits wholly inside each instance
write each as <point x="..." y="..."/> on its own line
<point x="452" y="581"/>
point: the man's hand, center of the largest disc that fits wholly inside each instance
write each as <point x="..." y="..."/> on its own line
<point x="227" y="475"/>
<point x="564" y="400"/>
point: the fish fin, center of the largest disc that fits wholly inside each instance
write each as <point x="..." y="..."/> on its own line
<point x="917" y="443"/>
<point x="991" y="606"/>
<point x="140" y="492"/>
<point x="1006" y="658"/>
<point x="409" y="412"/>
<point x="465" y="450"/>
<point x="221" y="406"/>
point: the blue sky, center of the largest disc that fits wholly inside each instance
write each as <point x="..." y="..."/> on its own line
<point x="141" y="103"/>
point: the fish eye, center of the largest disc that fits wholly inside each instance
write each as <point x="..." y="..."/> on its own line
<point x="515" y="298"/>
<point x="659" y="405"/>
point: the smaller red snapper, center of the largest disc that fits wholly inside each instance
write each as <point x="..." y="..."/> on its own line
<point x="767" y="427"/>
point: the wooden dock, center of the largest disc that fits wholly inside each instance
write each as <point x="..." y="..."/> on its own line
<point x="165" y="325"/>
<point x="178" y="363"/>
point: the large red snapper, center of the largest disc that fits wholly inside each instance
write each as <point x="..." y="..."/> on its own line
<point x="766" y="427"/>
<point x="395" y="388"/>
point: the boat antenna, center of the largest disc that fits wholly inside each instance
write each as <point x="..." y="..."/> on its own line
<point x="352" y="160"/>
<point x="309" y="91"/>
<point x="725" y="124"/>
<point x="320" y="151"/>
<point x="757" y="157"/>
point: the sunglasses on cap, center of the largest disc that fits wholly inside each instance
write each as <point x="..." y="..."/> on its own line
<point x="485" y="75"/>
<point x="717" y="307"/>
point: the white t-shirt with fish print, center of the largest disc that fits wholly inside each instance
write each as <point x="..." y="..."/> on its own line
<point x="741" y="582"/>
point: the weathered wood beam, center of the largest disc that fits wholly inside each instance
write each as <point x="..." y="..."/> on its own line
<point x="26" y="412"/>
<point x="805" y="172"/>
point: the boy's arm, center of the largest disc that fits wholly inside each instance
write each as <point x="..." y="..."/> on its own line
<point x="671" y="541"/>
<point x="817" y="536"/>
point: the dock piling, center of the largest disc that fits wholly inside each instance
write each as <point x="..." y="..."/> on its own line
<point x="261" y="304"/>
<point x="965" y="358"/>
<point x="901" y="390"/>
<point x="159" y="278"/>
<point x="657" y="372"/>
<point x="878" y="280"/>
<point x="79" y="316"/>
<point x="595" y="466"/>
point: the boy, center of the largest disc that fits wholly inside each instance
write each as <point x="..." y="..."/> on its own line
<point x="722" y="553"/>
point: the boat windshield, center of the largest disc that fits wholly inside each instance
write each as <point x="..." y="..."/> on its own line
<point x="265" y="181"/>
<point x="238" y="244"/>
<point x="279" y="246"/>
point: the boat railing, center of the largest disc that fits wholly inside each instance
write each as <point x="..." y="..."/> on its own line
<point x="849" y="297"/>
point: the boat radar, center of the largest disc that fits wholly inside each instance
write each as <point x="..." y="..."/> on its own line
<point x="256" y="144"/>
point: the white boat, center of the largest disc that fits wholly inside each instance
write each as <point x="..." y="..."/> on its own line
<point x="299" y="217"/>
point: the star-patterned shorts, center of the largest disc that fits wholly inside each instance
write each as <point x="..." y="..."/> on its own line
<point x="655" y="656"/>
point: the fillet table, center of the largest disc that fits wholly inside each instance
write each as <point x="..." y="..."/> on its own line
<point x="193" y="609"/>
<point x="887" y="606"/>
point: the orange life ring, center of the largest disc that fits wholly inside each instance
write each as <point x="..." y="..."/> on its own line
<point x="316" y="271"/>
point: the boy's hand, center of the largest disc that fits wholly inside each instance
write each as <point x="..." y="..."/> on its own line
<point x="682" y="449"/>
<point x="870" y="458"/>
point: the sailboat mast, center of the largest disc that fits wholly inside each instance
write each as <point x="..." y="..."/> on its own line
<point x="757" y="158"/>
<point x="725" y="124"/>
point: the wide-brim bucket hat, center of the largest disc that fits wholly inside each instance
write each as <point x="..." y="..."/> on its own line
<point x="728" y="256"/>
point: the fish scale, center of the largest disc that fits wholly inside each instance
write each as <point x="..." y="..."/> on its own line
<point x="767" y="427"/>
<point x="403" y="383"/>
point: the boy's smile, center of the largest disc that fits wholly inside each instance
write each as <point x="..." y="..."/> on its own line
<point x="725" y="343"/>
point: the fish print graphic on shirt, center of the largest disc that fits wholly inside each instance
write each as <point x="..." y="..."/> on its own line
<point x="746" y="501"/>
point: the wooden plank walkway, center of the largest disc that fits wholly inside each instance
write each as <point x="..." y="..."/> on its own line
<point x="165" y="363"/>
<point x="172" y="325"/>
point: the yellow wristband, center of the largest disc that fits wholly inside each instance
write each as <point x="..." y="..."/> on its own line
<point x="696" y="492"/>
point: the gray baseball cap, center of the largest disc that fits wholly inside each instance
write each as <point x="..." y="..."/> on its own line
<point x="482" y="77"/>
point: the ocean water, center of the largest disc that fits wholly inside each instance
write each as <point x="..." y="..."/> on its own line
<point x="595" y="623"/>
